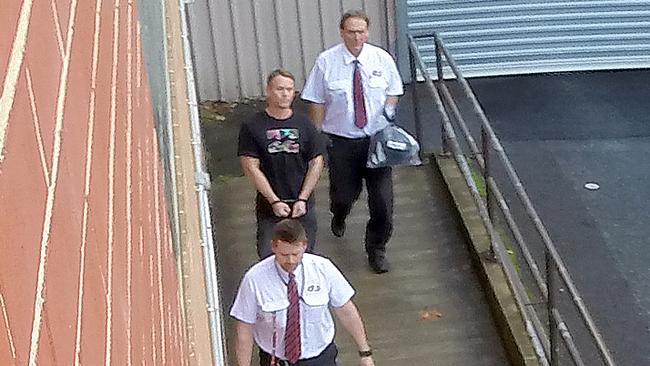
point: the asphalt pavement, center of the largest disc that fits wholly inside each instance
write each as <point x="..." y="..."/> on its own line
<point x="562" y="131"/>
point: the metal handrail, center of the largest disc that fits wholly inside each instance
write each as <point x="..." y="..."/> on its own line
<point x="554" y="262"/>
<point x="530" y="318"/>
<point x="559" y="264"/>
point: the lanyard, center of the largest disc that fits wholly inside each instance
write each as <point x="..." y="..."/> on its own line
<point x="273" y="361"/>
<point x="286" y="284"/>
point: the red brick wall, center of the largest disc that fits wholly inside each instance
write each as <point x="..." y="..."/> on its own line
<point x="87" y="271"/>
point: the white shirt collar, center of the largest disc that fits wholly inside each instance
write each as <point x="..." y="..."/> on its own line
<point x="349" y="58"/>
<point x="284" y="275"/>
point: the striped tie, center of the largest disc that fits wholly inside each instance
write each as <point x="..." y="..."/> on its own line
<point x="292" y="331"/>
<point x="360" y="118"/>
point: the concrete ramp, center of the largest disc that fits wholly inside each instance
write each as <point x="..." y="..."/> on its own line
<point x="429" y="310"/>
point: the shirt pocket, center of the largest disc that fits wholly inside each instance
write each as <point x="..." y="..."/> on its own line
<point x="268" y="309"/>
<point x="377" y="86"/>
<point x="316" y="311"/>
<point x="316" y="296"/>
<point x="338" y="90"/>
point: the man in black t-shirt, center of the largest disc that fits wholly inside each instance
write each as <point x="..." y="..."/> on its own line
<point x="281" y="153"/>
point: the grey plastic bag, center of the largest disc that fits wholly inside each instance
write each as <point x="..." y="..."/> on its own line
<point x="393" y="146"/>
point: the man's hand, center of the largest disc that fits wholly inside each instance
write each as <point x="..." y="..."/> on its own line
<point x="390" y="110"/>
<point x="366" y="361"/>
<point x="299" y="209"/>
<point x="281" y="209"/>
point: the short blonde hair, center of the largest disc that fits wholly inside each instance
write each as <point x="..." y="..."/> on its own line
<point x="279" y="72"/>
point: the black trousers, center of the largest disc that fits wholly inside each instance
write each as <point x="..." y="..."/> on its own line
<point x="266" y="220"/>
<point x="347" y="168"/>
<point x="325" y="358"/>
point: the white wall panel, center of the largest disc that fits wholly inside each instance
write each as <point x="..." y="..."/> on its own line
<point x="204" y="54"/>
<point x="289" y="39"/>
<point x="351" y="4"/>
<point x="236" y="43"/>
<point x="268" y="52"/>
<point x="243" y="20"/>
<point x="312" y="42"/>
<point x="377" y="22"/>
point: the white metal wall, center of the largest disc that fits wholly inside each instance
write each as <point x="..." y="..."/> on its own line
<point x="490" y="37"/>
<point x="236" y="43"/>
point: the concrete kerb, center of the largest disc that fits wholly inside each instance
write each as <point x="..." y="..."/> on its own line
<point x="509" y="321"/>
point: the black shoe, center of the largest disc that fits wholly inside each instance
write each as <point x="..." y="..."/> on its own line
<point x="338" y="227"/>
<point x="378" y="263"/>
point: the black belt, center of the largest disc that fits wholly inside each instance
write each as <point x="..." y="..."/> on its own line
<point x="281" y="362"/>
<point x="346" y="138"/>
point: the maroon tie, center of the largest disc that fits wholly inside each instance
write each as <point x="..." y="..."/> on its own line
<point x="292" y="331"/>
<point x="360" y="118"/>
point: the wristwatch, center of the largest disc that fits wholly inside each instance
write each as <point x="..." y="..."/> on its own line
<point x="367" y="353"/>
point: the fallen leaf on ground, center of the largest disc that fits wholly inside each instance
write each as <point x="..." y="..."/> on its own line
<point x="430" y="314"/>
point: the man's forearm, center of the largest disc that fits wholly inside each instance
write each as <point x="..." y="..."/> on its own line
<point x="252" y="171"/>
<point x="263" y="186"/>
<point x="311" y="178"/>
<point x="349" y="317"/>
<point x="317" y="114"/>
<point x="243" y="343"/>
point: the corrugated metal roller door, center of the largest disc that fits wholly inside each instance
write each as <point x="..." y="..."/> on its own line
<point x="518" y="37"/>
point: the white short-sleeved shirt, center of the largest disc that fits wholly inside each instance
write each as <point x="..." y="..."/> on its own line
<point x="262" y="296"/>
<point x="330" y="83"/>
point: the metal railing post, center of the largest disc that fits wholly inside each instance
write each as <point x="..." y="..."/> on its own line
<point x="436" y="45"/>
<point x="416" y="103"/>
<point x="489" y="202"/>
<point x="485" y="144"/>
<point x="412" y="66"/>
<point x="554" y="335"/>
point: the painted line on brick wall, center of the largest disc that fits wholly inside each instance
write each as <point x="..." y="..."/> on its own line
<point x="140" y="198"/>
<point x="154" y="337"/>
<point x="5" y="316"/>
<point x="138" y="62"/>
<point x="87" y="170"/>
<point x="147" y="163"/>
<point x="49" y="206"/>
<point x="129" y="143"/>
<point x="152" y="231"/>
<point x="111" y="185"/>
<point x="13" y="71"/>
<point x="37" y="127"/>
<point x="57" y="26"/>
<point x="180" y="324"/>
<point x="156" y="200"/>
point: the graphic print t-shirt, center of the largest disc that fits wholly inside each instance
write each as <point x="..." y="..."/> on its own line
<point x="284" y="148"/>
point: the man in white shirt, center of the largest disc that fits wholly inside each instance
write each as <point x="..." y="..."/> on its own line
<point x="263" y="306"/>
<point x="350" y="86"/>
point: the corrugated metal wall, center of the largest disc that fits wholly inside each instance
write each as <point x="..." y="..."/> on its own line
<point x="236" y="43"/>
<point x="525" y="36"/>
